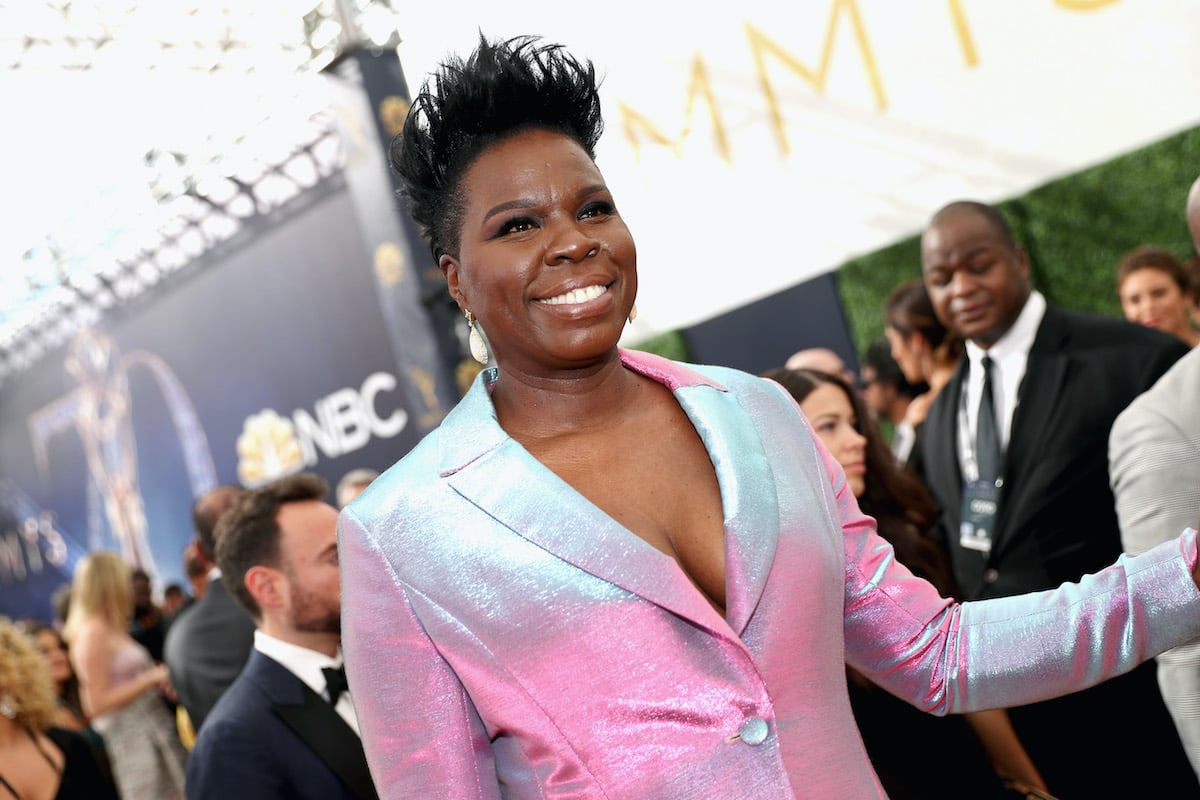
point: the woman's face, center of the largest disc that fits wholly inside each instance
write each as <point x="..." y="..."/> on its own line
<point x="829" y="412"/>
<point x="55" y="656"/>
<point x="905" y="353"/>
<point x="545" y="263"/>
<point x="1151" y="297"/>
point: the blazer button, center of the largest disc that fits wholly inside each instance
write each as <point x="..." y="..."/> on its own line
<point x="753" y="730"/>
<point x="991" y="576"/>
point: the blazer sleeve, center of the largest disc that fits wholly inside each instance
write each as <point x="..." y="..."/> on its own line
<point x="420" y="732"/>
<point x="950" y="658"/>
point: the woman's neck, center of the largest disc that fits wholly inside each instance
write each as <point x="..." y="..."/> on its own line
<point x="546" y="408"/>
<point x="940" y="376"/>
<point x="10" y="731"/>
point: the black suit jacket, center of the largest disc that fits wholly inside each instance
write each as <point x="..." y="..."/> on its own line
<point x="1057" y="517"/>
<point x="207" y="645"/>
<point x="270" y="736"/>
<point x="1057" y="521"/>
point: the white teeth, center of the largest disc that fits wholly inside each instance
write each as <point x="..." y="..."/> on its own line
<point x="576" y="295"/>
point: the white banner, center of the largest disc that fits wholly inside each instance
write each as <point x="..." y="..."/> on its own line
<point x="753" y="145"/>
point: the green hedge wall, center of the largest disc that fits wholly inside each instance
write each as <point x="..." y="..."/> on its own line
<point x="1075" y="228"/>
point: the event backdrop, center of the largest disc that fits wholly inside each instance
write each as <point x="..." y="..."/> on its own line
<point x="273" y="360"/>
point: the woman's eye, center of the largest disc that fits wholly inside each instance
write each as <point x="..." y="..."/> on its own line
<point x="515" y="225"/>
<point x="599" y="208"/>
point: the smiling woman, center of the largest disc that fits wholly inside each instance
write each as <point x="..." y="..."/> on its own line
<point x="609" y="574"/>
<point x="1155" y="290"/>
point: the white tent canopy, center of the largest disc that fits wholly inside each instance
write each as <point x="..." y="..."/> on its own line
<point x="753" y="145"/>
<point x="749" y="145"/>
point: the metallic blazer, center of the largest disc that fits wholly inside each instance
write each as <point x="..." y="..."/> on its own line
<point x="504" y="638"/>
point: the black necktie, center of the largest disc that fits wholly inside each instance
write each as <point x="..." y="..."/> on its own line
<point x="335" y="682"/>
<point x="987" y="439"/>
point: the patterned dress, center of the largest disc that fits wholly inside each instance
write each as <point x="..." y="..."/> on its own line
<point x="142" y="742"/>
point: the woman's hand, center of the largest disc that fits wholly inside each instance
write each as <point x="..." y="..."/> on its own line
<point x="166" y="687"/>
<point x="158" y="677"/>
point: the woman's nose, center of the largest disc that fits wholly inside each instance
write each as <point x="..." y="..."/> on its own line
<point x="572" y="243"/>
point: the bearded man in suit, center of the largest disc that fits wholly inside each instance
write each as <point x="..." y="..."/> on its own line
<point x="1029" y="507"/>
<point x="286" y="728"/>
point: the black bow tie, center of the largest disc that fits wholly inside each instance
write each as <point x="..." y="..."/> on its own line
<point x="335" y="682"/>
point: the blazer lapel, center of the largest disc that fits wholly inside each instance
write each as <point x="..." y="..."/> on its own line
<point x="1038" y="395"/>
<point x="527" y="498"/>
<point x="316" y="722"/>
<point x="941" y="442"/>
<point x="747" y="496"/>
<point x="494" y="472"/>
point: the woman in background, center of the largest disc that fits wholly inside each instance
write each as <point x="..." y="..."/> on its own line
<point x="70" y="707"/>
<point x="926" y="351"/>
<point x="39" y="761"/>
<point x="50" y="643"/>
<point x="900" y="738"/>
<point x="1156" y="291"/>
<point x="120" y="684"/>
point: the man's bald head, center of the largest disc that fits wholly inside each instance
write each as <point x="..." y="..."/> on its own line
<point x="1193" y="213"/>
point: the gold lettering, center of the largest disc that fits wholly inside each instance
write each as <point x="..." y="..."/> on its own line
<point x="959" y="17"/>
<point x="1084" y="5"/>
<point x="638" y="125"/>
<point x="760" y="46"/>
<point x="702" y="86"/>
<point x="635" y="123"/>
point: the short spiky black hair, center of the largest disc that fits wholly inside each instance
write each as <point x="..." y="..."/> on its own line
<point x="502" y="88"/>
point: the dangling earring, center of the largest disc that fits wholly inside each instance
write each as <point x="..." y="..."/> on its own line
<point x="8" y="706"/>
<point x="632" y="313"/>
<point x="479" y="350"/>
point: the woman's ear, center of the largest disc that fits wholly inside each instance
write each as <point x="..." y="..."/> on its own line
<point x="448" y="264"/>
<point x="918" y="344"/>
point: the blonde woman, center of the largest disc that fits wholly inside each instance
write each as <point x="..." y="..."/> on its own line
<point x="121" y="686"/>
<point x="37" y="760"/>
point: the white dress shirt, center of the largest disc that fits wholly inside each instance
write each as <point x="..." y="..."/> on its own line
<point x="306" y="665"/>
<point x="1009" y="356"/>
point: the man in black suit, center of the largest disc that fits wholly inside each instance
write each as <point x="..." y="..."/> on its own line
<point x="286" y="728"/>
<point x="1045" y="513"/>
<point x="208" y="643"/>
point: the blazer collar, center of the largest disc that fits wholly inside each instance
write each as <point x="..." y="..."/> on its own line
<point x="494" y="472"/>
<point x="1040" y="393"/>
<point x="470" y="428"/>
